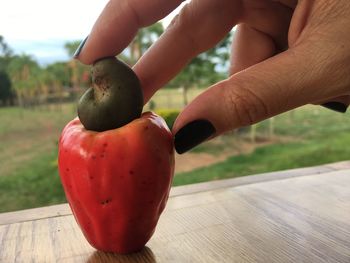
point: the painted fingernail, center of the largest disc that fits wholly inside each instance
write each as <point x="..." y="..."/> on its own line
<point x="80" y="47"/>
<point x="192" y="134"/>
<point x="336" y="106"/>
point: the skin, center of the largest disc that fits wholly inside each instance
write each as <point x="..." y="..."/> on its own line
<point x="285" y="53"/>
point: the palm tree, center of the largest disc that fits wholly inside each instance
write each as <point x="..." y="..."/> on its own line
<point x="24" y="73"/>
<point x="143" y="40"/>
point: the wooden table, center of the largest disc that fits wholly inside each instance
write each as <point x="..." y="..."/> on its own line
<point x="300" y="215"/>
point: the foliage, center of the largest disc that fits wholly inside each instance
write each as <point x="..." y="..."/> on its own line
<point x="203" y="70"/>
<point x="79" y="74"/>
<point x="169" y="115"/>
<point x="60" y="72"/>
<point x="21" y="76"/>
<point x="5" y="87"/>
<point x="71" y="47"/>
<point x="5" y="50"/>
<point x="142" y="41"/>
<point x="5" y="81"/>
<point x="206" y="68"/>
<point x="25" y="78"/>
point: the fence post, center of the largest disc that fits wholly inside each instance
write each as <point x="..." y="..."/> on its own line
<point x="271" y="127"/>
<point x="253" y="133"/>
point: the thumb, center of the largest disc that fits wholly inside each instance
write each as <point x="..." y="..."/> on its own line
<point x="278" y="84"/>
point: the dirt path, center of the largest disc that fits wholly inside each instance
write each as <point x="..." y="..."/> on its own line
<point x="190" y="161"/>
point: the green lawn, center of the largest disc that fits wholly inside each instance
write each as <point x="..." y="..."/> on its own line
<point x="272" y="158"/>
<point x="28" y="151"/>
<point x="313" y="135"/>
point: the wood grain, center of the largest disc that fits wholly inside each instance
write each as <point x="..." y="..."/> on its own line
<point x="297" y="219"/>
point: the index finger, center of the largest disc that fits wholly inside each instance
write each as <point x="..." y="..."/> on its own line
<point x="118" y="24"/>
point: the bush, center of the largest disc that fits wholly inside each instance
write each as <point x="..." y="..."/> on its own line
<point x="169" y="115"/>
<point x="5" y="87"/>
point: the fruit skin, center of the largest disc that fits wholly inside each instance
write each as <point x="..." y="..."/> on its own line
<point x="115" y="98"/>
<point x="117" y="182"/>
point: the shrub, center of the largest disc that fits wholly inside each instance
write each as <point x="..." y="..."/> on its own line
<point x="169" y="115"/>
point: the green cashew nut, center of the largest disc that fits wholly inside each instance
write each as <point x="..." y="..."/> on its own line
<point x="114" y="100"/>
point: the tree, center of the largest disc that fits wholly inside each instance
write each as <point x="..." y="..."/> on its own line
<point x="144" y="38"/>
<point x="79" y="73"/>
<point x="55" y="78"/>
<point x="60" y="71"/>
<point x="204" y="70"/>
<point x="6" y="93"/>
<point x="5" y="88"/>
<point x="24" y="72"/>
<point x="71" y="47"/>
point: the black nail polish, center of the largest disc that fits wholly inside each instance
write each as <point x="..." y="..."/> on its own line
<point x="80" y="47"/>
<point x="193" y="134"/>
<point x="336" y="106"/>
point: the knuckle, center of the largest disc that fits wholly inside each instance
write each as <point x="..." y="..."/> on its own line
<point x="244" y="106"/>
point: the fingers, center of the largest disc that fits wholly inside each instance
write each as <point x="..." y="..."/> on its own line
<point x="249" y="47"/>
<point x="262" y="33"/>
<point x="271" y="17"/>
<point x="342" y="99"/>
<point x="200" y="25"/>
<point x="275" y="85"/>
<point x="118" y="24"/>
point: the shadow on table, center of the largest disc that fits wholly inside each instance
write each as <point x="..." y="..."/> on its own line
<point x="145" y="255"/>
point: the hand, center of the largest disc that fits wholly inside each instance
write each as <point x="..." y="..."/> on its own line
<point x="285" y="54"/>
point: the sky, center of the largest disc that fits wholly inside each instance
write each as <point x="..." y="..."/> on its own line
<point x="41" y="27"/>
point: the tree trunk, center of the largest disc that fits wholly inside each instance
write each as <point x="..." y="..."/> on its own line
<point x="253" y="133"/>
<point x="135" y="50"/>
<point x="185" y="95"/>
<point x="271" y="127"/>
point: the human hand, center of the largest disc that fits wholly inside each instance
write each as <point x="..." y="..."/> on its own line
<point x="285" y="54"/>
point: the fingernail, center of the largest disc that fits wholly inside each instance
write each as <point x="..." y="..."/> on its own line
<point x="336" y="106"/>
<point x="77" y="52"/>
<point x="193" y="134"/>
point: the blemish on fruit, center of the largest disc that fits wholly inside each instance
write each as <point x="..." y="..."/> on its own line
<point x="107" y="201"/>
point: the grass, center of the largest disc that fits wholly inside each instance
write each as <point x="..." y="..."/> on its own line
<point x="314" y="136"/>
<point x="172" y="98"/>
<point x="28" y="150"/>
<point x="273" y="158"/>
<point x="32" y="186"/>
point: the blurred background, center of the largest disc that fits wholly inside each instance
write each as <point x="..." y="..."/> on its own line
<point x="40" y="85"/>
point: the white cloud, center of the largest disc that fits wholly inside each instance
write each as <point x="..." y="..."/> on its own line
<point x="44" y="19"/>
<point x="40" y="27"/>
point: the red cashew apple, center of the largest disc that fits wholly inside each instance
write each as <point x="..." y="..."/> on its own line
<point x="116" y="180"/>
